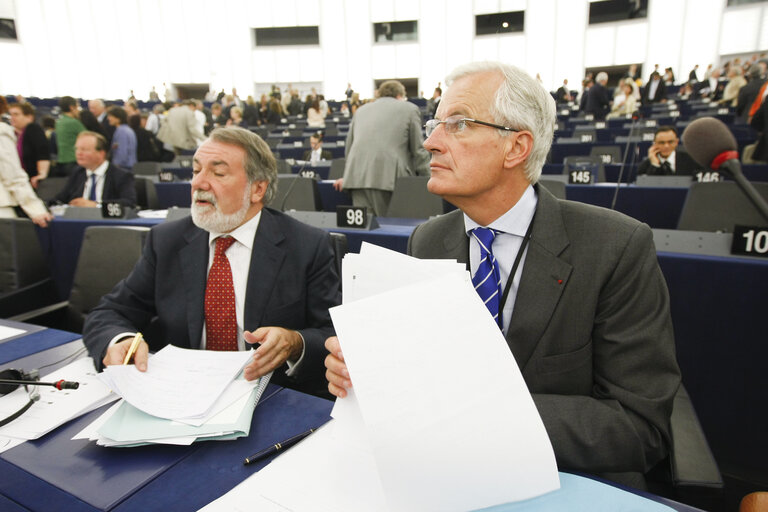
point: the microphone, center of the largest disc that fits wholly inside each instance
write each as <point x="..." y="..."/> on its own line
<point x="711" y="144"/>
<point x="290" y="188"/>
<point x="635" y="117"/>
<point x="60" y="384"/>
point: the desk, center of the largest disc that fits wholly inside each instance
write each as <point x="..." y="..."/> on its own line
<point x="56" y="472"/>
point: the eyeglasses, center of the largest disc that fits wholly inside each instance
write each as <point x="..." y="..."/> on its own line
<point x="6" y="388"/>
<point x="456" y="124"/>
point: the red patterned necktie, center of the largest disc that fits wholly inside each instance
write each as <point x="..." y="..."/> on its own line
<point x="220" y="316"/>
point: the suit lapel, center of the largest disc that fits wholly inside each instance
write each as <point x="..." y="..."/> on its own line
<point x="82" y="177"/>
<point x="544" y="278"/>
<point x="194" y="267"/>
<point x="266" y="259"/>
<point x="456" y="247"/>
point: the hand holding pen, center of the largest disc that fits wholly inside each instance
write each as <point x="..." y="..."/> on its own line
<point x="122" y="352"/>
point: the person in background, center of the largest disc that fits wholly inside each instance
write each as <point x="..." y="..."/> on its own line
<point x="15" y="189"/>
<point x="147" y="147"/>
<point x="315" y="117"/>
<point x="33" y="148"/>
<point x="68" y="126"/>
<point x="236" y="118"/>
<point x="123" y="139"/>
<point x="624" y="103"/>
<point x="49" y="127"/>
<point x="663" y="157"/>
<point x="95" y="180"/>
<point x="316" y="153"/>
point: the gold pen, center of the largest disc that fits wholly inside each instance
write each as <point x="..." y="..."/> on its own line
<point x="132" y="349"/>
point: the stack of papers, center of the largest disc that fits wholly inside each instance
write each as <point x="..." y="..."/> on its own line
<point x="184" y="396"/>
<point x="55" y="407"/>
<point x="440" y="417"/>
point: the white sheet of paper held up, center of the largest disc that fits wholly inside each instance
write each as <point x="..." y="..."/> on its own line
<point x="438" y="387"/>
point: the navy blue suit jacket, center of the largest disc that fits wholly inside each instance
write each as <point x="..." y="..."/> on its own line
<point x="292" y="282"/>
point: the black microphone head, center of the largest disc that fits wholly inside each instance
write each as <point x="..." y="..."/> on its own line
<point x="65" y="384"/>
<point x="706" y="138"/>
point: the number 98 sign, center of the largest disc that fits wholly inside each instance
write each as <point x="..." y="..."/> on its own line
<point x="351" y="217"/>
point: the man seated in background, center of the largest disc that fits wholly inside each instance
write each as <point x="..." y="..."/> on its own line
<point x="575" y="289"/>
<point x="96" y="180"/>
<point x="663" y="157"/>
<point x="316" y="153"/>
<point x="233" y="275"/>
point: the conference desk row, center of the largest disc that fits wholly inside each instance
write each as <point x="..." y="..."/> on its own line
<point x="717" y="303"/>
<point x="58" y="473"/>
<point x="659" y="207"/>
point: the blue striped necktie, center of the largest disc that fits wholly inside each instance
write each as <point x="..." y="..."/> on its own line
<point x="487" y="280"/>
<point x="92" y="193"/>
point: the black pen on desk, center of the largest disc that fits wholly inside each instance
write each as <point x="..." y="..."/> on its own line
<point x="276" y="448"/>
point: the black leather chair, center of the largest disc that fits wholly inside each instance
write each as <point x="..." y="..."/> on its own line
<point x="296" y="193"/>
<point x="107" y="255"/>
<point x="581" y="163"/>
<point x="25" y="279"/>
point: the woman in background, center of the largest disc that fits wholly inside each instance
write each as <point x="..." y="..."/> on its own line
<point x="15" y="189"/>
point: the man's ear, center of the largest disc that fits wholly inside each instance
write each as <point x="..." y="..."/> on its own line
<point x="517" y="148"/>
<point x="258" y="189"/>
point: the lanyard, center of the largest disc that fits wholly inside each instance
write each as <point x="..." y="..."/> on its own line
<point x="512" y="272"/>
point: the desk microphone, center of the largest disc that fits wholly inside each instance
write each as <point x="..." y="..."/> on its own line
<point x="290" y="188"/>
<point x="61" y="384"/>
<point x="635" y="118"/>
<point x="711" y="144"/>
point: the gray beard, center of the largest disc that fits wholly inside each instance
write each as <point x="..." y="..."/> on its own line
<point x="215" y="221"/>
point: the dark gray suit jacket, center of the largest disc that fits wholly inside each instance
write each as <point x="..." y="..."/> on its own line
<point x="591" y="332"/>
<point x="291" y="283"/>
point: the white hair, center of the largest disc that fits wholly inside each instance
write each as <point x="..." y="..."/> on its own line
<point x="602" y="77"/>
<point x="522" y="103"/>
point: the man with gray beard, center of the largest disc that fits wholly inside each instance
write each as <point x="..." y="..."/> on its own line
<point x="235" y="275"/>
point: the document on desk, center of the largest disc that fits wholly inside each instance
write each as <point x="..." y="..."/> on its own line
<point x="179" y="383"/>
<point x="55" y="407"/>
<point x="7" y="332"/>
<point x="125" y="426"/>
<point x="440" y="417"/>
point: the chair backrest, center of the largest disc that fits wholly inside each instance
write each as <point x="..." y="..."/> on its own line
<point x="608" y="154"/>
<point x="107" y="255"/>
<point x="556" y="187"/>
<point x="582" y="163"/>
<point x="49" y="188"/>
<point x="147" y="168"/>
<point x="21" y="259"/>
<point x="146" y="193"/>
<point x="296" y="193"/>
<point x="337" y="168"/>
<point x="719" y="206"/>
<point x="411" y="199"/>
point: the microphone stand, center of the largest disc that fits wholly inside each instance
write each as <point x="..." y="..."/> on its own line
<point x="624" y="160"/>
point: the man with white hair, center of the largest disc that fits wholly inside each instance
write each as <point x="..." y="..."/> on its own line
<point x="598" y="97"/>
<point x="575" y="289"/>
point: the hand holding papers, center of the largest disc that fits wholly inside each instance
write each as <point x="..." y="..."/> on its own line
<point x="184" y="396"/>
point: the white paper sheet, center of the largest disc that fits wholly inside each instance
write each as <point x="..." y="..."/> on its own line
<point x="9" y="332"/>
<point x="415" y="355"/>
<point x="178" y="383"/>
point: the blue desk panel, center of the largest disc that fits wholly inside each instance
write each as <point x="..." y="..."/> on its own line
<point x="79" y="476"/>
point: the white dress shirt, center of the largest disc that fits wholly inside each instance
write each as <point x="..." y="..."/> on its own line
<point x="513" y="226"/>
<point x="100" y="172"/>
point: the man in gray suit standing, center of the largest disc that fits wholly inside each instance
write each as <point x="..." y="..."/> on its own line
<point x="384" y="143"/>
<point x="578" y="294"/>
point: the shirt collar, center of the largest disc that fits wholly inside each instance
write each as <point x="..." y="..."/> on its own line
<point x="243" y="234"/>
<point x="671" y="159"/>
<point x="516" y="220"/>
<point x="100" y="170"/>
